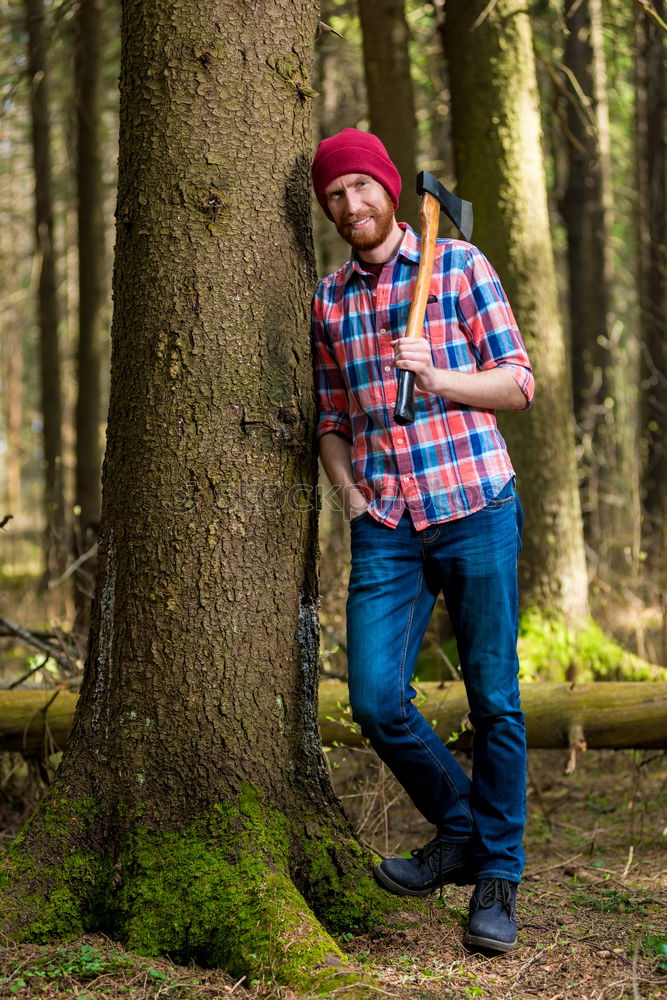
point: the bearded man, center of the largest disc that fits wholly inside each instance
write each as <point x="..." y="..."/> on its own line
<point x="432" y="507"/>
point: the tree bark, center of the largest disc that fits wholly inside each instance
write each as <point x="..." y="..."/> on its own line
<point x="193" y="813"/>
<point x="603" y="382"/>
<point x="391" y="105"/>
<point x="497" y="144"/>
<point x="47" y="294"/>
<point x="91" y="232"/>
<point x="616" y="715"/>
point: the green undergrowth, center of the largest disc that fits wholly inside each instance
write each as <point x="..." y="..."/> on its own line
<point x="551" y="651"/>
<point x="56" y="968"/>
<point x="221" y="892"/>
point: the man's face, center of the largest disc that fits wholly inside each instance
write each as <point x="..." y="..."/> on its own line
<point x="361" y="209"/>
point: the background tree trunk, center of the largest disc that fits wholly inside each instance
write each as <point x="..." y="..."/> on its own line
<point x="342" y="104"/>
<point x="652" y="215"/>
<point x="603" y="387"/>
<point x="12" y="367"/>
<point x="91" y="230"/>
<point x="391" y="105"/>
<point x="192" y="812"/>
<point x="585" y="206"/>
<point x="497" y="143"/>
<point x="652" y="279"/>
<point x="47" y="294"/>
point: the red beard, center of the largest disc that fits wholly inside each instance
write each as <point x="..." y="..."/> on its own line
<point x="372" y="235"/>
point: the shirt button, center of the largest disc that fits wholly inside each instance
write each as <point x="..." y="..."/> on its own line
<point x="383" y="330"/>
<point x="407" y="478"/>
<point x="400" y="441"/>
<point x="387" y="368"/>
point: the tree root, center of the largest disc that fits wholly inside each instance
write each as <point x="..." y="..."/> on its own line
<point x="53" y="878"/>
<point x="238" y="889"/>
<point x="183" y="895"/>
<point x="339" y="884"/>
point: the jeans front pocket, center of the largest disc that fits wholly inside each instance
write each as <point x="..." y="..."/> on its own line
<point x="506" y="496"/>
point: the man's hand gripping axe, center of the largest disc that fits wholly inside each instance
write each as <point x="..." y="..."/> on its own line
<point x="433" y="198"/>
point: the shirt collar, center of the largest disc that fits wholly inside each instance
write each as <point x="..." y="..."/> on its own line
<point x="409" y="249"/>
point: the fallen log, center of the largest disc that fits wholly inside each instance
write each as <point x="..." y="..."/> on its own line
<point x="613" y="715"/>
<point x="36" y="721"/>
<point x="621" y="715"/>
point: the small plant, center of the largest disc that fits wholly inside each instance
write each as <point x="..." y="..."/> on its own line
<point x="655" y="945"/>
<point x="62" y="967"/>
<point x="608" y="901"/>
<point x="84" y="963"/>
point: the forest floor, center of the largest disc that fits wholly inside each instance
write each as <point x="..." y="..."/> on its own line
<point x="592" y="908"/>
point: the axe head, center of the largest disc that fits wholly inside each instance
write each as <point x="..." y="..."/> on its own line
<point x="459" y="211"/>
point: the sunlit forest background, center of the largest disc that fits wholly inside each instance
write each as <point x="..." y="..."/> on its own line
<point x="550" y="118"/>
<point x="388" y="67"/>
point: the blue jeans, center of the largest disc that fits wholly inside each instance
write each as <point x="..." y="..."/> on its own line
<point x="395" y="578"/>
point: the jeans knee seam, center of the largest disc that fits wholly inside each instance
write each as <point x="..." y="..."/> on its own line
<point x="438" y="764"/>
<point x="407" y="638"/>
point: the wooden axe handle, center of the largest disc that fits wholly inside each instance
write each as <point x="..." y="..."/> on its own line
<point x="429" y="214"/>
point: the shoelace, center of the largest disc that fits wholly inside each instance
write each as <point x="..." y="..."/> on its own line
<point x="435" y="846"/>
<point x="495" y="890"/>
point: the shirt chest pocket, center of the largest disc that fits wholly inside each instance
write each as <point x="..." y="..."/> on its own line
<point x="440" y="334"/>
<point x="450" y="345"/>
<point x="401" y="310"/>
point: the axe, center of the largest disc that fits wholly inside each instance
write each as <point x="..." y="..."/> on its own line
<point x="433" y="198"/>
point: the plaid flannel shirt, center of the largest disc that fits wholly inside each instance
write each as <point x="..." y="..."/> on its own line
<point x="453" y="460"/>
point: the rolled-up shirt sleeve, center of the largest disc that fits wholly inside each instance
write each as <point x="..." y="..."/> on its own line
<point x="487" y="317"/>
<point x="330" y="388"/>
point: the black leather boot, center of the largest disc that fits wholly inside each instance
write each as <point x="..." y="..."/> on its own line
<point x="438" y="863"/>
<point x="492" y="925"/>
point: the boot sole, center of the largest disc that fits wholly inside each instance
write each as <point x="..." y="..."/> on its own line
<point x="400" y="890"/>
<point x="472" y="941"/>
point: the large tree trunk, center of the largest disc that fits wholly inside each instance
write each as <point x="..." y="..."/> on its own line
<point x="497" y="143"/>
<point x="193" y="813"/>
<point x="391" y="106"/>
<point x="603" y="382"/>
<point x="652" y="186"/>
<point x="47" y="294"/>
<point x="87" y="494"/>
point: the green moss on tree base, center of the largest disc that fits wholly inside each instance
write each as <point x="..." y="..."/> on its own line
<point x="219" y="892"/>
<point x="53" y="886"/>
<point x="222" y="891"/>
<point x="342" y="890"/>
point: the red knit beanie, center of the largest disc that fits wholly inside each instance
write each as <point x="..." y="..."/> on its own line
<point x="353" y="152"/>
